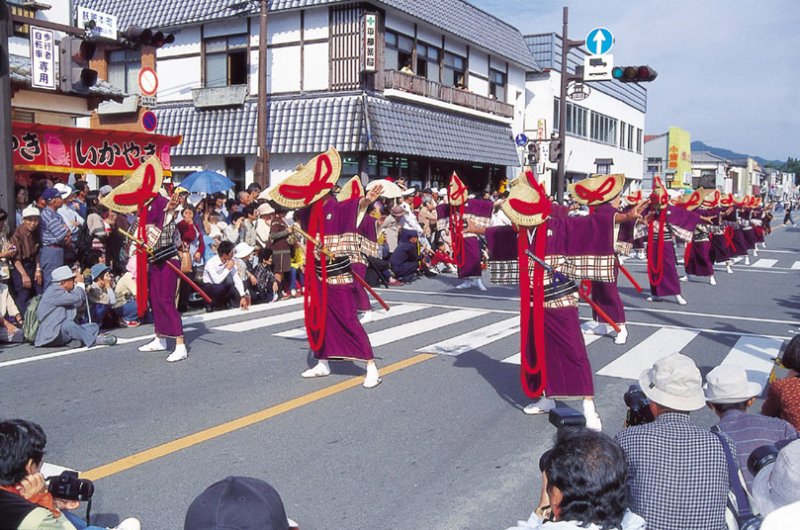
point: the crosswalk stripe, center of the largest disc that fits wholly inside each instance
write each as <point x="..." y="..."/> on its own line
<point x="643" y="355"/>
<point x="737" y="259"/>
<point x="796" y="265"/>
<point x="755" y="354"/>
<point x="517" y="357"/>
<point x="409" y="329"/>
<point x="396" y="311"/>
<point x="272" y="320"/>
<point x="764" y="263"/>
<point x="474" y="339"/>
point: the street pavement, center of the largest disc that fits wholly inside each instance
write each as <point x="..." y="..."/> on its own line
<point x="442" y="443"/>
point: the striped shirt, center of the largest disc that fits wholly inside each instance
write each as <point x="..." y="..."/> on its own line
<point x="52" y="228"/>
<point x="678" y="474"/>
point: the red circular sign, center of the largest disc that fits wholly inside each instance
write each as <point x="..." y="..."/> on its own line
<point x="148" y="81"/>
<point x="149" y="121"/>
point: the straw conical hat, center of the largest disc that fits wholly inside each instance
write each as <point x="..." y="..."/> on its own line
<point x="352" y="189"/>
<point x="711" y="199"/>
<point x="527" y="203"/>
<point x="142" y="185"/>
<point x="597" y="189"/>
<point x="457" y="191"/>
<point x="693" y="200"/>
<point x="726" y="200"/>
<point x="634" y="198"/>
<point x="310" y="182"/>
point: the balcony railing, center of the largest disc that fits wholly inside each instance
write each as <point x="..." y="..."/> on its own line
<point x="414" y="84"/>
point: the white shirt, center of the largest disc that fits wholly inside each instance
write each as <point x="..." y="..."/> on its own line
<point x="215" y="272"/>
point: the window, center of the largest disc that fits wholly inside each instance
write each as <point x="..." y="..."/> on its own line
<point x="427" y="61"/>
<point x="604" y="129"/>
<point x="577" y="119"/>
<point x="631" y="129"/>
<point x="455" y="69"/>
<point x="497" y="85"/>
<point x="235" y="170"/>
<point x="226" y="60"/>
<point x="398" y="51"/>
<point x="622" y="130"/>
<point x="639" y="140"/>
<point x="123" y="70"/>
<point x="655" y="165"/>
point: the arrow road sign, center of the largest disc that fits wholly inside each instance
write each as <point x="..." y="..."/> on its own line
<point x="599" y="41"/>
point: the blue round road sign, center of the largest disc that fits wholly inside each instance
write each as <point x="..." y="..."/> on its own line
<point x="149" y="121"/>
<point x="599" y="41"/>
<point x="521" y="139"/>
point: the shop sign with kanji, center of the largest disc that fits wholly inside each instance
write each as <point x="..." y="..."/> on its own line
<point x="43" y="65"/>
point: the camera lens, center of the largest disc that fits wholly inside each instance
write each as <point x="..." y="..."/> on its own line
<point x="761" y="458"/>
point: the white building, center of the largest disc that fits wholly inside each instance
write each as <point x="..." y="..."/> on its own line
<point x="710" y="171"/>
<point x="604" y="131"/>
<point x="458" y="111"/>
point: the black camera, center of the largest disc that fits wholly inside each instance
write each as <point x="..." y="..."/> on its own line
<point x="764" y="456"/>
<point x="638" y="407"/>
<point x="69" y="487"/>
<point x="566" y="417"/>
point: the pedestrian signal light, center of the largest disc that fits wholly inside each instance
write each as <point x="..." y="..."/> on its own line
<point x="533" y="153"/>
<point x="633" y="74"/>
<point x="75" y="75"/>
<point x="555" y="150"/>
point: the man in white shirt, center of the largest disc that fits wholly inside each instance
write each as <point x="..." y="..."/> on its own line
<point x="221" y="280"/>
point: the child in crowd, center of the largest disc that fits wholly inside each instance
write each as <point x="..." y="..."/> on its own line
<point x="297" y="272"/>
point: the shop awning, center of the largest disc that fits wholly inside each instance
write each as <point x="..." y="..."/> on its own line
<point x="54" y="149"/>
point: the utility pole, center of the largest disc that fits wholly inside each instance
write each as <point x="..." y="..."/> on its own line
<point x="7" y="198"/>
<point x="262" y="152"/>
<point x="566" y="79"/>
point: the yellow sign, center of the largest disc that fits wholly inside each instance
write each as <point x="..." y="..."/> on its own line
<point x="679" y="155"/>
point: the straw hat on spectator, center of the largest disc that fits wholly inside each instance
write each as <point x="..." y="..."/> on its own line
<point x="310" y="181"/>
<point x="352" y="189"/>
<point x="597" y="189"/>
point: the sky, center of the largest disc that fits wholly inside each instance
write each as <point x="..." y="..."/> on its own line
<point x="728" y="70"/>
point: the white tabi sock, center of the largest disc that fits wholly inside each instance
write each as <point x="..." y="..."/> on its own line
<point x="588" y="407"/>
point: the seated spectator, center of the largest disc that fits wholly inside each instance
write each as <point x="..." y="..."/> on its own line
<point x="26" y="276"/>
<point x="125" y="293"/>
<point x="584" y="477"/>
<point x="783" y="395"/>
<point x="263" y="284"/>
<point x="25" y="502"/>
<point x="405" y="258"/>
<point x="10" y="316"/>
<point x="778" y="484"/>
<point x="100" y="293"/>
<point x="238" y="503"/>
<point x="729" y="394"/>
<point x="57" y="311"/>
<point x="221" y="280"/>
<point x="678" y="473"/>
<point x="442" y="260"/>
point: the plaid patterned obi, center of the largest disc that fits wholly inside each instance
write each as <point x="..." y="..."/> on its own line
<point x="478" y="220"/>
<point x="369" y="248"/>
<point x="341" y="245"/>
<point x="640" y="231"/>
<point x="623" y="248"/>
<point x="715" y="230"/>
<point x="701" y="233"/>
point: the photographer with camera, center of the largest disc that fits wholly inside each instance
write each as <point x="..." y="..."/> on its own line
<point x="678" y="472"/>
<point x="777" y="472"/>
<point x="26" y="501"/>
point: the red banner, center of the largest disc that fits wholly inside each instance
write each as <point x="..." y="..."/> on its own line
<point x="53" y="149"/>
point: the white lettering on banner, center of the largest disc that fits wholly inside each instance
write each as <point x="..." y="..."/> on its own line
<point x="105" y="25"/>
<point x="370" y="43"/>
<point x="43" y="71"/>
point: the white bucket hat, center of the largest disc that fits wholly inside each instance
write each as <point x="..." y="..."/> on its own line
<point x="728" y="384"/>
<point x="779" y="483"/>
<point x="265" y="209"/>
<point x="674" y="382"/>
<point x="242" y="250"/>
<point x="61" y="273"/>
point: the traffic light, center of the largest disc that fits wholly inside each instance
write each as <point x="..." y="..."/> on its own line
<point x="533" y="153"/>
<point x="136" y="36"/>
<point x="633" y="74"/>
<point x="73" y="67"/>
<point x="555" y="150"/>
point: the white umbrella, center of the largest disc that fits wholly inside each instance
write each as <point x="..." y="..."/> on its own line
<point x="390" y="189"/>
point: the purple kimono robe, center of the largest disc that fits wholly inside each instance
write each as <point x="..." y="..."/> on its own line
<point x="698" y="260"/>
<point x="580" y="248"/>
<point x="344" y="337"/>
<point x="480" y="212"/>
<point x="367" y="234"/>
<point x="680" y="223"/>
<point x="163" y="281"/>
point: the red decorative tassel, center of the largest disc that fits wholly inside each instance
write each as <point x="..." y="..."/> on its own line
<point x="315" y="294"/>
<point x="536" y="290"/>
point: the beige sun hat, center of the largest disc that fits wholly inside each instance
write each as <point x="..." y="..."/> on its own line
<point x="310" y="181"/>
<point x="527" y="203"/>
<point x="674" y="382"/>
<point x="122" y="199"/>
<point x="352" y="189"/>
<point x="597" y="189"/>
<point x="728" y="384"/>
<point x="30" y="211"/>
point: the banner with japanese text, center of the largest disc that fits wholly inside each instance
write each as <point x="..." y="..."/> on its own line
<point x="54" y="149"/>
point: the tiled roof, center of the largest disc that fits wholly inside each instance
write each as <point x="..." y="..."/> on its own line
<point x="707" y="157"/>
<point x="20" y="70"/>
<point x="458" y="17"/>
<point x="310" y="125"/>
<point x="413" y="130"/>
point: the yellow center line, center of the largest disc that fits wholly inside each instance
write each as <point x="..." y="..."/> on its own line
<point x="129" y="462"/>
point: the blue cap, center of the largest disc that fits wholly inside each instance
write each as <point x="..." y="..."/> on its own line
<point x="98" y="270"/>
<point x="50" y="193"/>
<point x="237" y="503"/>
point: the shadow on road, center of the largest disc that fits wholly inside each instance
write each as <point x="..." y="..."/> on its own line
<point x="503" y="377"/>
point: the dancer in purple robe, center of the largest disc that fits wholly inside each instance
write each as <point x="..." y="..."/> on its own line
<point x="697" y="260"/>
<point x="332" y="325"/>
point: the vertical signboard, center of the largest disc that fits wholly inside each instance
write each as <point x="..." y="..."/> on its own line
<point x="679" y="155"/>
<point x="369" y="47"/>
<point x="43" y="66"/>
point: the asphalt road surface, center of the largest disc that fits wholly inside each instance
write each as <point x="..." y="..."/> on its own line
<point x="441" y="444"/>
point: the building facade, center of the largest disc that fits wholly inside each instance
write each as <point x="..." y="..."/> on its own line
<point x="604" y="131"/>
<point x="669" y="156"/>
<point x="401" y="88"/>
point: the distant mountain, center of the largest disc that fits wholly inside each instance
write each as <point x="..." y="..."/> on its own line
<point x="730" y="155"/>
